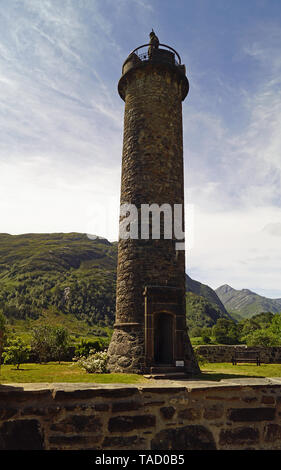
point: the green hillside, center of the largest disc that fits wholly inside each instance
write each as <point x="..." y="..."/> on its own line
<point x="70" y="279"/>
<point x="200" y="312"/>
<point x="207" y="293"/>
<point x="67" y="273"/>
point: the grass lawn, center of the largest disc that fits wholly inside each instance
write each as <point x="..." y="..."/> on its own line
<point x="218" y="371"/>
<point x="70" y="372"/>
<point x="64" y="372"/>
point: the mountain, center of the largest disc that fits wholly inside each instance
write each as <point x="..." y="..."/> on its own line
<point x="205" y="291"/>
<point x="203" y="306"/>
<point x="245" y="302"/>
<point x="62" y="272"/>
<point x="71" y="276"/>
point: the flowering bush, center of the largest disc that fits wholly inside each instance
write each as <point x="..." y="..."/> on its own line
<point x="94" y="363"/>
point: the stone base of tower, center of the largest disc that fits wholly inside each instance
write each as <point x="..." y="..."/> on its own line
<point x="126" y="349"/>
<point x="191" y="364"/>
<point x="126" y="354"/>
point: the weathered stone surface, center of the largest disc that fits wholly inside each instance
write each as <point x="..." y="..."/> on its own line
<point x="35" y="410"/>
<point x="101" y="407"/>
<point x="216" y="353"/>
<point x="78" y="423"/>
<point x="268" y="400"/>
<point x="22" y="434"/>
<point x="249" y="399"/>
<point x="126" y="340"/>
<point x="213" y="412"/>
<point x="272" y="432"/>
<point x="9" y="412"/>
<point x="125" y="406"/>
<point x="167" y="411"/>
<point x="18" y="396"/>
<point x="64" y="442"/>
<point x="194" y="437"/>
<point x="129" y="423"/>
<point x="87" y="394"/>
<point x="162" y="390"/>
<point x="251" y="414"/>
<point x="239" y="437"/>
<point x="153" y="403"/>
<point x="127" y="442"/>
<point x="190" y="414"/>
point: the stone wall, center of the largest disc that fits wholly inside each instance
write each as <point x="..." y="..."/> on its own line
<point x="224" y="353"/>
<point x="191" y="415"/>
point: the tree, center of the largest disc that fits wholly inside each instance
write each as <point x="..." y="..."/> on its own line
<point x="264" y="319"/>
<point x="225" y="331"/>
<point x="50" y="342"/>
<point x="275" y="326"/>
<point x="247" y="327"/>
<point x="195" y="331"/>
<point x="42" y="342"/>
<point x="3" y="324"/>
<point x="16" y="352"/>
<point x="206" y="334"/>
<point x="60" y="341"/>
<point x="263" y="337"/>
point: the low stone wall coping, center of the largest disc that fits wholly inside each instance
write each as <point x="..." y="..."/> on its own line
<point x="159" y="386"/>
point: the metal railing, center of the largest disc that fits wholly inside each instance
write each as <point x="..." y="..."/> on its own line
<point x="147" y="55"/>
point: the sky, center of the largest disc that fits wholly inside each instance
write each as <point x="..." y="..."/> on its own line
<point x="61" y="124"/>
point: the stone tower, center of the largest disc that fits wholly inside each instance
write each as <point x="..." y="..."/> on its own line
<point x="150" y="333"/>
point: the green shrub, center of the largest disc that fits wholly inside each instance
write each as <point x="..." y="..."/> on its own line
<point x="263" y="338"/>
<point x="84" y="347"/>
<point x="201" y="360"/>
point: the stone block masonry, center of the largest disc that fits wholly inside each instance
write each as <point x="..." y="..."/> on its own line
<point x="150" y="287"/>
<point x="224" y="353"/>
<point x="189" y="415"/>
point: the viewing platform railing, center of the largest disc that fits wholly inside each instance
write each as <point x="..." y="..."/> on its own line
<point x="152" y="53"/>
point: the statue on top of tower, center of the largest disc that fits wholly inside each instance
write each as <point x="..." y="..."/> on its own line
<point x="153" y="43"/>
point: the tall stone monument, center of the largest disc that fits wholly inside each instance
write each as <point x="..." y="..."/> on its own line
<point x="150" y="333"/>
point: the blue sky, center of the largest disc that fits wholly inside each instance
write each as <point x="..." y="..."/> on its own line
<point x="61" y="122"/>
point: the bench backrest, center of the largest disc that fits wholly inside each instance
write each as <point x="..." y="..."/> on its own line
<point x="246" y="354"/>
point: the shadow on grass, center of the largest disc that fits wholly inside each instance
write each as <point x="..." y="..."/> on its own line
<point x="217" y="377"/>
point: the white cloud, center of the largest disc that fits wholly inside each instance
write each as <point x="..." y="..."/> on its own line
<point x="70" y="199"/>
<point x="237" y="248"/>
<point x="234" y="180"/>
<point x="61" y="128"/>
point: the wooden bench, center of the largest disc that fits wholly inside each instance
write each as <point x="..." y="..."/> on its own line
<point x="246" y="356"/>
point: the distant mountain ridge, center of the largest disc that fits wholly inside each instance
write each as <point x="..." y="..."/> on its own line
<point x="203" y="306"/>
<point x="245" y="302"/>
<point x="205" y="291"/>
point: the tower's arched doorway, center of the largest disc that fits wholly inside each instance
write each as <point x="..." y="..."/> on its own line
<point x="163" y="338"/>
